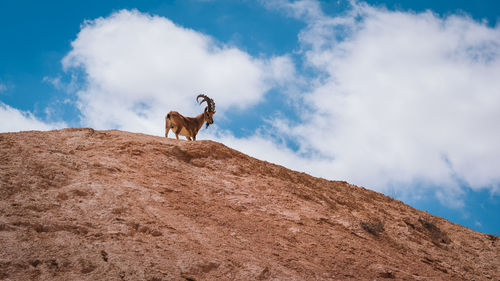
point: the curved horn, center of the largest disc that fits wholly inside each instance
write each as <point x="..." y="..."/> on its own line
<point x="210" y="102"/>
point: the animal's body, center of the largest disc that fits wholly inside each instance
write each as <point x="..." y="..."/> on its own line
<point x="189" y="126"/>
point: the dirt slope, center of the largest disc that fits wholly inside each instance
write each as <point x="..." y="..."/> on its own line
<point x="79" y="204"/>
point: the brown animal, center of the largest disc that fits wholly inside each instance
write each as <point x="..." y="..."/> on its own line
<point x="189" y="126"/>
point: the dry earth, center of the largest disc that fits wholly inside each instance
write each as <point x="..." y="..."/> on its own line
<point x="79" y="204"/>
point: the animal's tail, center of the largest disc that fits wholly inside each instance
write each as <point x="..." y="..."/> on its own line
<point x="167" y="125"/>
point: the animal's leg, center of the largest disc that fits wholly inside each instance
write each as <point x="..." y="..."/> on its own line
<point x="177" y="132"/>
<point x="193" y="134"/>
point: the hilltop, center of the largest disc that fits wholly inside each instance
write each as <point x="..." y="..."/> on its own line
<point x="81" y="204"/>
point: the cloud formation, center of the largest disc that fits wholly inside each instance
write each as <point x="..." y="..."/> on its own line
<point x="404" y="99"/>
<point x="137" y="67"/>
<point x="15" y="120"/>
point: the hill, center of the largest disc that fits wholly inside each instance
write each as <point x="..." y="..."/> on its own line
<point x="80" y="204"/>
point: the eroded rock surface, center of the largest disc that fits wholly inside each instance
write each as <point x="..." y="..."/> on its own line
<point x="80" y="204"/>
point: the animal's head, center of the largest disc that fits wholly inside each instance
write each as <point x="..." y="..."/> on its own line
<point x="209" y="109"/>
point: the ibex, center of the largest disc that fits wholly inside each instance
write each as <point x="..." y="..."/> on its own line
<point x="189" y="126"/>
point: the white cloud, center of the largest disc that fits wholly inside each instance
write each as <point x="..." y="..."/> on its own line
<point x="405" y="99"/>
<point x="17" y="120"/>
<point x="399" y="100"/>
<point x="138" y="67"/>
<point x="59" y="84"/>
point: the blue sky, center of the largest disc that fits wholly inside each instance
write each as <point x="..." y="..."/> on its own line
<point x="401" y="97"/>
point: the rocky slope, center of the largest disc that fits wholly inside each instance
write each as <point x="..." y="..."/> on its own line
<point x="79" y="204"/>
